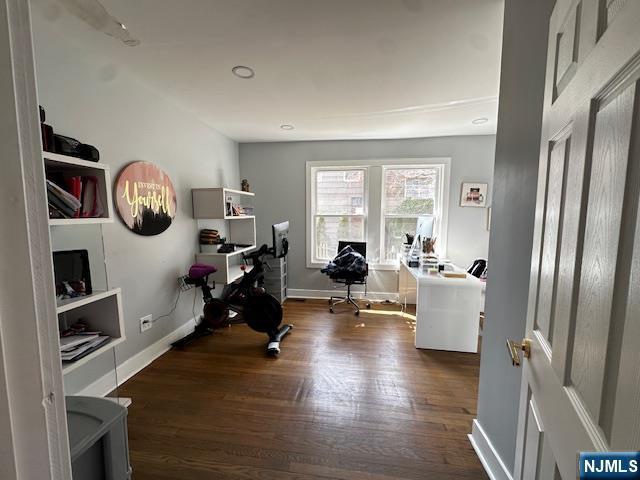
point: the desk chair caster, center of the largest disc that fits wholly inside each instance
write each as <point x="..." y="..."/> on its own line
<point x="333" y="301"/>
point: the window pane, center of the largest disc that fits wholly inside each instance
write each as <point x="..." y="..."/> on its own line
<point x="410" y="190"/>
<point x="340" y="192"/>
<point x="329" y="230"/>
<point x="394" y="236"/>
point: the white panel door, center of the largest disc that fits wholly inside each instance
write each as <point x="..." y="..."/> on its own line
<point x="581" y="382"/>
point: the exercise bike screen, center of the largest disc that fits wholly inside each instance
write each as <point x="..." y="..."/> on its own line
<point x="280" y="239"/>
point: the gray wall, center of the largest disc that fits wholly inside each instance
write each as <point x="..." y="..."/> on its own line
<point x="276" y="172"/>
<point x="91" y="99"/>
<point x="514" y="190"/>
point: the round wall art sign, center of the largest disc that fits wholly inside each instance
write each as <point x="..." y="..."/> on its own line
<point x="145" y="198"/>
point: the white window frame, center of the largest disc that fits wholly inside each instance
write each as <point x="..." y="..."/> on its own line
<point x="371" y="224"/>
<point x="440" y="212"/>
<point x="312" y="262"/>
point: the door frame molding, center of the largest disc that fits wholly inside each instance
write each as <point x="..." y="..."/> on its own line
<point x="32" y="406"/>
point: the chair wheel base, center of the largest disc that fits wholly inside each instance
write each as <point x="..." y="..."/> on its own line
<point x="368" y="305"/>
<point x="357" y="313"/>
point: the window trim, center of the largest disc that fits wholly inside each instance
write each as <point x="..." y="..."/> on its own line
<point x="311" y="210"/>
<point x="375" y="224"/>
<point x="441" y="223"/>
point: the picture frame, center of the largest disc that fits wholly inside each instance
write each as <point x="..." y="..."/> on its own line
<point x="474" y="195"/>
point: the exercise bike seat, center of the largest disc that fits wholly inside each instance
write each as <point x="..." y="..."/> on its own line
<point x="201" y="270"/>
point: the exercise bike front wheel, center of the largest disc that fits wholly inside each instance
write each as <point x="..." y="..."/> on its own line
<point x="263" y="313"/>
<point x="216" y="313"/>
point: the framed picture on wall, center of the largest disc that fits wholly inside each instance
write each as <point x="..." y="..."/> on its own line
<point x="474" y="195"/>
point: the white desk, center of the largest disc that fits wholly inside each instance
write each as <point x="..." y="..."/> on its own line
<point x="447" y="309"/>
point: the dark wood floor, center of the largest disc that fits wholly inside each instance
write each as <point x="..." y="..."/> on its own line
<point x="349" y="398"/>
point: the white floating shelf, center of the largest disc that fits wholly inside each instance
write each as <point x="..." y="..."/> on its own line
<point x="230" y="254"/>
<point x="238" y="217"/>
<point x="227" y="272"/>
<point x="103" y="312"/>
<point x="234" y="272"/>
<point x="78" y="221"/>
<point x="211" y="204"/>
<point x="71" y="167"/>
<point x="231" y="191"/>
<point x="71" y="366"/>
<point x="55" y="159"/>
<point x="71" y="303"/>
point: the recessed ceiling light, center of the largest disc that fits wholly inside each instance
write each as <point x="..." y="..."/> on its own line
<point x="243" y="72"/>
<point x="287" y="127"/>
<point x="480" y="121"/>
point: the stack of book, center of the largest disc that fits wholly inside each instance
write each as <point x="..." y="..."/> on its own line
<point x="80" y="198"/>
<point x="61" y="201"/>
<point x="429" y="261"/>
<point x="238" y="211"/>
<point x="74" y="347"/>
<point x="209" y="237"/>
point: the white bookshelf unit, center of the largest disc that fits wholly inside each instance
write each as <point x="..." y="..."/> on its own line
<point x="102" y="309"/>
<point x="213" y="204"/>
<point x="70" y="167"/>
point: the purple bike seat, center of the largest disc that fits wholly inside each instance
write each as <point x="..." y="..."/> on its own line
<point x="199" y="270"/>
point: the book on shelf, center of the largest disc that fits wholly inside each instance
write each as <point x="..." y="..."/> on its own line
<point x="70" y="342"/>
<point x="80" y="199"/>
<point x="91" y="205"/>
<point x="61" y="199"/>
<point x="238" y="211"/>
<point x="76" y="351"/>
<point x="74" y="186"/>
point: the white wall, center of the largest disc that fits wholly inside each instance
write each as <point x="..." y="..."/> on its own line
<point x="91" y="99"/>
<point x="514" y="199"/>
<point x="276" y="172"/>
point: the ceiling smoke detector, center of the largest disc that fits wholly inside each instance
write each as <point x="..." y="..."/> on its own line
<point x="242" y="71"/>
<point x="480" y="121"/>
<point x="286" y="126"/>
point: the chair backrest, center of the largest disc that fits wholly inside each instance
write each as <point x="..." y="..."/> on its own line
<point x="360" y="247"/>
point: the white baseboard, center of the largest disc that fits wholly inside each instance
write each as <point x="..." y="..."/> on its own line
<point x="133" y="365"/>
<point x="487" y="454"/>
<point x="325" y="294"/>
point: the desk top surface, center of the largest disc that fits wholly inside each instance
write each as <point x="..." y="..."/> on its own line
<point x="426" y="277"/>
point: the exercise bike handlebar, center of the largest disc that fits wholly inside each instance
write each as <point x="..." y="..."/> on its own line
<point x="257" y="254"/>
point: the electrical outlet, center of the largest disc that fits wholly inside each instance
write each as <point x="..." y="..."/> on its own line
<point x="146" y="323"/>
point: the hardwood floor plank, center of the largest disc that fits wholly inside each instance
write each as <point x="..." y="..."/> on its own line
<point x="348" y="398"/>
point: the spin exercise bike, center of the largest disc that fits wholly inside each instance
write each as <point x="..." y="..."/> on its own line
<point x="247" y="297"/>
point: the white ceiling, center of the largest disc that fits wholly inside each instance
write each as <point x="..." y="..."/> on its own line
<point x="335" y="69"/>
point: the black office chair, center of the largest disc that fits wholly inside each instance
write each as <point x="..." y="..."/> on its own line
<point x="361" y="248"/>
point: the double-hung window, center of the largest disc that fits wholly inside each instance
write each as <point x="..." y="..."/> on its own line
<point x="377" y="201"/>
<point x="338" y="207"/>
<point x="407" y="193"/>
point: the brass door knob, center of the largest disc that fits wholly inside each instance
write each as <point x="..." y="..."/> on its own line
<point x="515" y="348"/>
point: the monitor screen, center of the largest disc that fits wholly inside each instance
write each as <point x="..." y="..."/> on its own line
<point x="71" y="270"/>
<point x="280" y="239"/>
<point x="424" y="230"/>
<point x="424" y="227"/>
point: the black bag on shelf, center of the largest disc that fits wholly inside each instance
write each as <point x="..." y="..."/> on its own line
<point x="74" y="148"/>
<point x="48" y="144"/>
